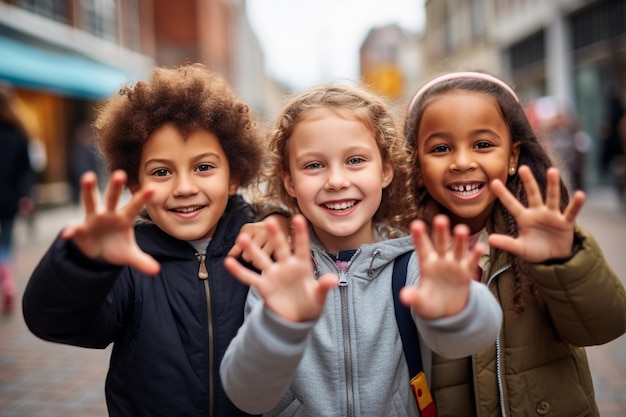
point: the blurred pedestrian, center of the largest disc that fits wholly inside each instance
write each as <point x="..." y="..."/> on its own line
<point x="84" y="157"/>
<point x="612" y="156"/>
<point x="16" y="180"/>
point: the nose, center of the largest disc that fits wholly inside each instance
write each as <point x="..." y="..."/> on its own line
<point x="185" y="185"/>
<point x="462" y="160"/>
<point x="336" y="179"/>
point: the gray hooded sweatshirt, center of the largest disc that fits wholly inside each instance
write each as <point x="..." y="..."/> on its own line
<point x="350" y="361"/>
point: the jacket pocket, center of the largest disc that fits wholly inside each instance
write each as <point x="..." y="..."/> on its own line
<point x="288" y="408"/>
<point x="555" y="390"/>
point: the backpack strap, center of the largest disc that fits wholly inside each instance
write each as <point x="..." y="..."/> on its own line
<point x="410" y="339"/>
<point x="406" y="326"/>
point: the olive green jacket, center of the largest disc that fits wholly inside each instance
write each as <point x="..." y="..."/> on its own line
<point x="538" y="366"/>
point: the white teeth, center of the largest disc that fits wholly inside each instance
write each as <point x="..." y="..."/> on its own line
<point x="465" y="187"/>
<point x="340" y="206"/>
<point x="466" y="190"/>
<point x="187" y="209"/>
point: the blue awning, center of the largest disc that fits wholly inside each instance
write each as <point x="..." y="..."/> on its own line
<point x="63" y="74"/>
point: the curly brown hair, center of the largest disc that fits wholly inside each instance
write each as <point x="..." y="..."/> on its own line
<point x="397" y="207"/>
<point x="189" y="97"/>
<point x="532" y="153"/>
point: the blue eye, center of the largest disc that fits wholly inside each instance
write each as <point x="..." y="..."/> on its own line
<point x="313" y="165"/>
<point x="355" y="160"/>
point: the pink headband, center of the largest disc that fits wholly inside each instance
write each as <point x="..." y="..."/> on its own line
<point x="454" y="75"/>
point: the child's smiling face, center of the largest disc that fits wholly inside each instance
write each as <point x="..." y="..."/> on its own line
<point x="192" y="182"/>
<point x="463" y="144"/>
<point x="337" y="175"/>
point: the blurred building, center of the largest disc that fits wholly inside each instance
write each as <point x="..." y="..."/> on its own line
<point x="390" y="62"/>
<point x="65" y="57"/>
<point x="571" y="50"/>
<point x="62" y="57"/>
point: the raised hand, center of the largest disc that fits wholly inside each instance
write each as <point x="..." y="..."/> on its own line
<point x="287" y="283"/>
<point x="260" y="235"/>
<point x="446" y="269"/>
<point x="107" y="232"/>
<point x="544" y="231"/>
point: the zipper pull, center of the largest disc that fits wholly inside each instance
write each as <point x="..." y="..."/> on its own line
<point x="202" y="272"/>
<point x="343" y="282"/>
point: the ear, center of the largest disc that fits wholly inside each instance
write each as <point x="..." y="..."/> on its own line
<point x="288" y="184"/>
<point x="387" y="173"/>
<point x="514" y="158"/>
<point x="233" y="186"/>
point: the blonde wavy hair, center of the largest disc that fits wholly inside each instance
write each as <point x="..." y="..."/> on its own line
<point x="397" y="207"/>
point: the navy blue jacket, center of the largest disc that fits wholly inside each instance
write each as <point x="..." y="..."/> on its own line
<point x="169" y="331"/>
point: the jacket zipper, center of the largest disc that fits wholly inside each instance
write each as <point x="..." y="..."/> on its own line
<point x="347" y="348"/>
<point x="203" y="274"/>
<point x="498" y="349"/>
<point x="345" y="325"/>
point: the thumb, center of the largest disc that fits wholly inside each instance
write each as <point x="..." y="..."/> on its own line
<point x="326" y="283"/>
<point x="144" y="263"/>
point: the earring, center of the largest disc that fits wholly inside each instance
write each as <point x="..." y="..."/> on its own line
<point x="512" y="170"/>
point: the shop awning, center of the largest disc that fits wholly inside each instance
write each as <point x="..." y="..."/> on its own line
<point x="68" y="75"/>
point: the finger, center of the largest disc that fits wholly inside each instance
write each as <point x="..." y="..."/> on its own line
<point x="506" y="243"/>
<point x="69" y="231"/>
<point x="441" y="234"/>
<point x="530" y="185"/>
<point x="326" y="283"/>
<point x="144" y="262"/>
<point x="302" y="245"/>
<point x="477" y="252"/>
<point x="114" y="190"/>
<point x="89" y="193"/>
<point x="243" y="274"/>
<point x="575" y="205"/>
<point x="138" y="201"/>
<point x="421" y="241"/>
<point x="508" y="200"/>
<point x="417" y="300"/>
<point x="553" y="191"/>
<point x="461" y="243"/>
<point x="252" y="253"/>
<point x="281" y="247"/>
<point x="235" y="251"/>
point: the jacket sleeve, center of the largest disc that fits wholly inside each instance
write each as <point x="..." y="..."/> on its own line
<point x="262" y="359"/>
<point x="68" y="298"/>
<point x="471" y="331"/>
<point x="585" y="297"/>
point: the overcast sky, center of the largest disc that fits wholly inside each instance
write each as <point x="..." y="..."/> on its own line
<point x="310" y="41"/>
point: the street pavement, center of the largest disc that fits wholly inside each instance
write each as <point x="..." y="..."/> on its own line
<point x="43" y="379"/>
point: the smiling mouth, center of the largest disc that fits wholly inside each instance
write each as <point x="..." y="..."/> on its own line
<point x="187" y="209"/>
<point x="466" y="190"/>
<point x="344" y="205"/>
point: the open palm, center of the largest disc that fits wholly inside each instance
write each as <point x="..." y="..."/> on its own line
<point x="544" y="231"/>
<point x="446" y="269"/>
<point x="287" y="283"/>
<point x="107" y="233"/>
